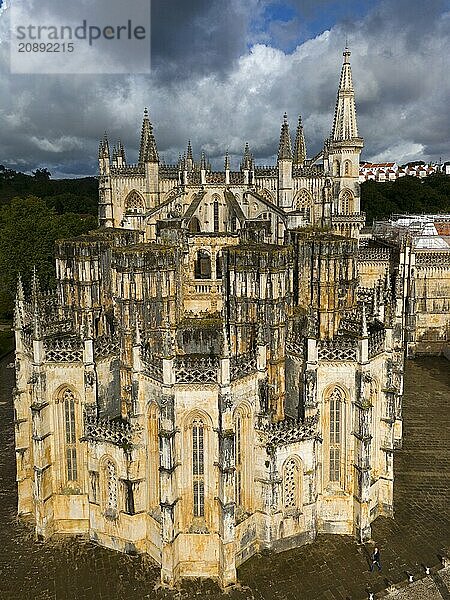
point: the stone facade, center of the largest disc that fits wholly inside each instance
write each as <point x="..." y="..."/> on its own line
<point x="209" y="378"/>
<point x="418" y="247"/>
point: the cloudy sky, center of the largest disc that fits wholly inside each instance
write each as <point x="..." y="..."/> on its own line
<point x="224" y="73"/>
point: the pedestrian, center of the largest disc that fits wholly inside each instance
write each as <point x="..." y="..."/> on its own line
<point x="375" y="559"/>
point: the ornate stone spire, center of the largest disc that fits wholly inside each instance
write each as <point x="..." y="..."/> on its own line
<point x="203" y="163"/>
<point x="300" y="145"/>
<point x="189" y="154"/>
<point x="148" y="151"/>
<point x="364" y="331"/>
<point x="121" y="151"/>
<point x="345" y="127"/>
<point x="227" y="161"/>
<point x="20" y="296"/>
<point x="35" y="300"/>
<point x="285" y="147"/>
<point x="18" y="305"/>
<point x="247" y="159"/>
<point x="103" y="148"/>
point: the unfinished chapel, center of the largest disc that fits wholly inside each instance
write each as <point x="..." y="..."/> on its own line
<point x="218" y="371"/>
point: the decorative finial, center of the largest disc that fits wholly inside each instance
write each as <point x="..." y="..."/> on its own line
<point x="145" y="113"/>
<point x="364" y="331"/>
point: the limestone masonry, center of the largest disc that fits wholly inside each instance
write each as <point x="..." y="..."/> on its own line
<point x="220" y="369"/>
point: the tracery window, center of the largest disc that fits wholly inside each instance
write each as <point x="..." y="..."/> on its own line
<point x="71" y="437"/>
<point x="134" y="202"/>
<point x="111" y="486"/>
<point x="238" y="455"/>
<point x="216" y="215"/>
<point x="290" y="484"/>
<point x="303" y="202"/>
<point x="347" y="203"/>
<point x="347" y="166"/>
<point x="153" y="457"/>
<point x="198" y="468"/>
<point x="335" y="435"/>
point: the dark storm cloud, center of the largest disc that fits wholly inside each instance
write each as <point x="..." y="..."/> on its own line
<point x="195" y="37"/>
<point x="220" y="78"/>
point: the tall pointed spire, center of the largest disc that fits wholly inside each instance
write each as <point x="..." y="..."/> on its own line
<point x="227" y="161"/>
<point x="35" y="300"/>
<point x="345" y="127"/>
<point x="247" y="159"/>
<point x="285" y="147"/>
<point x="148" y="151"/>
<point x="189" y="154"/>
<point x="189" y="157"/>
<point x="300" y="145"/>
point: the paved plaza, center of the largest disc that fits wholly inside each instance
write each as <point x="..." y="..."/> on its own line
<point x="333" y="567"/>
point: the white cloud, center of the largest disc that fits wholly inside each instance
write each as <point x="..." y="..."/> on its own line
<point x="402" y="92"/>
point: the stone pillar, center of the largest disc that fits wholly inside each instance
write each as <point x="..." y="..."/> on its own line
<point x="363" y="437"/>
<point x="168" y="490"/>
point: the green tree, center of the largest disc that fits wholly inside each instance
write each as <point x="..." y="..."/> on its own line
<point x="28" y="231"/>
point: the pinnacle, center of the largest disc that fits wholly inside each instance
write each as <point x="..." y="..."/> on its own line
<point x="285" y="147"/>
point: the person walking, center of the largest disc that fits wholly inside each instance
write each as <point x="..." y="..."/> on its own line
<point x="375" y="559"/>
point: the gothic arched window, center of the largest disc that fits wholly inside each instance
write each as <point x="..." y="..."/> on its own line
<point x="153" y="457"/>
<point x="291" y="485"/>
<point x="335" y="434"/>
<point x="303" y="202"/>
<point x="198" y="468"/>
<point x="194" y="225"/>
<point x="219" y="265"/>
<point x="347" y="167"/>
<point x="238" y="455"/>
<point x="71" y="437"/>
<point x="242" y="454"/>
<point x="111" y="486"/>
<point x="134" y="203"/>
<point x="216" y="215"/>
<point x="347" y="203"/>
<point x="202" y="265"/>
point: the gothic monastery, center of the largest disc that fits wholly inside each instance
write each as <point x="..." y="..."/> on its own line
<point x="219" y="370"/>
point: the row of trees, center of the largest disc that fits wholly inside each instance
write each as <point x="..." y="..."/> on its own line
<point x="64" y="195"/>
<point x="410" y="195"/>
<point x="36" y="210"/>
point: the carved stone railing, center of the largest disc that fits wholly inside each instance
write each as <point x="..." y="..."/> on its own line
<point x="153" y="364"/>
<point x="58" y="350"/>
<point x="119" y="433"/>
<point x="289" y="431"/>
<point x="435" y="260"/>
<point x="376" y="343"/>
<point x="58" y="327"/>
<point x="243" y="365"/>
<point x="194" y="368"/>
<point x="128" y="170"/>
<point x="337" y="350"/>
<point x="358" y="217"/>
<point x="105" y="346"/>
<point x="373" y="254"/>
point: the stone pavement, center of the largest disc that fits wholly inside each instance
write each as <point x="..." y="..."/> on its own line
<point x="333" y="567"/>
